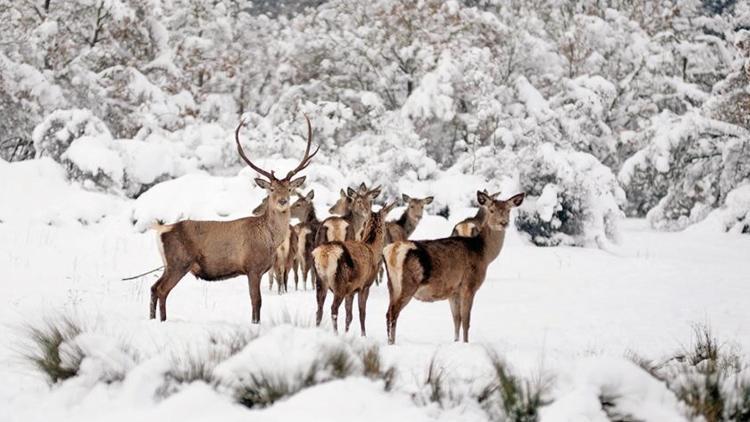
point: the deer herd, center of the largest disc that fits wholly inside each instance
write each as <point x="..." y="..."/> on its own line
<point x="344" y="253"/>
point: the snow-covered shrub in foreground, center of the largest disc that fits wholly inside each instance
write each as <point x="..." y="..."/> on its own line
<point x="261" y="367"/>
<point x="573" y="198"/>
<point x="687" y="168"/>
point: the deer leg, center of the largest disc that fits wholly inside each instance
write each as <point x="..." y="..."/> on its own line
<point x="170" y="279"/>
<point x="286" y="280"/>
<point x="154" y="295"/>
<point x="397" y="304"/>
<point x="349" y="302"/>
<point x="466" y="303"/>
<point x="253" y="282"/>
<point x="362" y="305"/>
<point x="296" y="276"/>
<point x="455" y="302"/>
<point x="335" y="311"/>
<point x="320" y="294"/>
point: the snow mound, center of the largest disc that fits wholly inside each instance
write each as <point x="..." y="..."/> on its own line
<point x="38" y="192"/>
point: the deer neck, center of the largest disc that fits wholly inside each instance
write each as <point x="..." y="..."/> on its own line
<point x="407" y="223"/>
<point x="493" y="243"/>
<point x="358" y="221"/>
<point x="311" y="217"/>
<point x="375" y="241"/>
<point x="278" y="224"/>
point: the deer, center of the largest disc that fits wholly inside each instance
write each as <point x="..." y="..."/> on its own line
<point x="354" y="207"/>
<point x="304" y="210"/>
<point x="350" y="267"/>
<point x="402" y="228"/>
<point x="284" y="258"/>
<point x="451" y="268"/>
<point x="469" y="227"/>
<point x="218" y="250"/>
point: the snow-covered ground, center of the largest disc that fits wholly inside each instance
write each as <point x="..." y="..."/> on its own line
<point x="573" y="312"/>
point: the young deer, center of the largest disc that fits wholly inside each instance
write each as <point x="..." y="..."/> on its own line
<point x="469" y="227"/>
<point x="217" y="250"/>
<point x="452" y="268"/>
<point x="304" y="210"/>
<point x="350" y="267"/>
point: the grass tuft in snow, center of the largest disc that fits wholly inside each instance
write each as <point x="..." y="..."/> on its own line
<point x="191" y="365"/>
<point x="264" y="388"/>
<point x="644" y="363"/>
<point x="50" y="350"/>
<point x="373" y="367"/>
<point x="712" y="381"/>
<point x="509" y="397"/>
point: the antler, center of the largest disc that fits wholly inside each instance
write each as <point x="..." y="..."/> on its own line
<point x="270" y="175"/>
<point x="306" y="159"/>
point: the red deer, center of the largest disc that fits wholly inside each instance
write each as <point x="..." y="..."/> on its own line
<point x="350" y="267"/>
<point x="354" y="206"/>
<point x="304" y="210"/>
<point x="402" y="228"/>
<point x="451" y="268"/>
<point x="217" y="250"/>
<point x="283" y="260"/>
<point x="469" y="227"/>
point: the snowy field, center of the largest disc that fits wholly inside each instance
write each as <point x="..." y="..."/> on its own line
<point x="572" y="312"/>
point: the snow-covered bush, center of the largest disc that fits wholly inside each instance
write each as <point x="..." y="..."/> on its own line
<point x="686" y="169"/>
<point x="57" y="131"/>
<point x="733" y="216"/>
<point x="573" y="198"/>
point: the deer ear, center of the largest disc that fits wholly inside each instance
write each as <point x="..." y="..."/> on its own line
<point x="350" y="192"/>
<point x="310" y="195"/>
<point x="483" y="198"/>
<point x="405" y="197"/>
<point x="263" y="183"/>
<point x="428" y="200"/>
<point x="374" y="193"/>
<point x="342" y="193"/>
<point x="362" y="187"/>
<point x="296" y="183"/>
<point x="517" y="200"/>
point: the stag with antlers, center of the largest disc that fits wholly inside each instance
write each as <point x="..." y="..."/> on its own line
<point x="218" y="250"/>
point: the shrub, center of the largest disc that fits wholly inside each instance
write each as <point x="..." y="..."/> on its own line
<point x="50" y="351"/>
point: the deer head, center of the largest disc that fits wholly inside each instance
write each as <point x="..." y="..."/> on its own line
<point x="278" y="190"/>
<point x="362" y="199"/>
<point x="415" y="206"/>
<point x="343" y="205"/>
<point x="302" y="206"/>
<point x="497" y="211"/>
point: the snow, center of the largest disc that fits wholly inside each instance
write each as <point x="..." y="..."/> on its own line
<point x="37" y="192"/>
<point x="546" y="310"/>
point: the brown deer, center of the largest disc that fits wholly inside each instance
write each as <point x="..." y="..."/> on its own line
<point x="451" y="268"/>
<point x="354" y="207"/>
<point x="469" y="227"/>
<point x="402" y="228"/>
<point x="350" y="267"/>
<point x="283" y="260"/>
<point x="304" y="210"/>
<point x="217" y="250"/>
